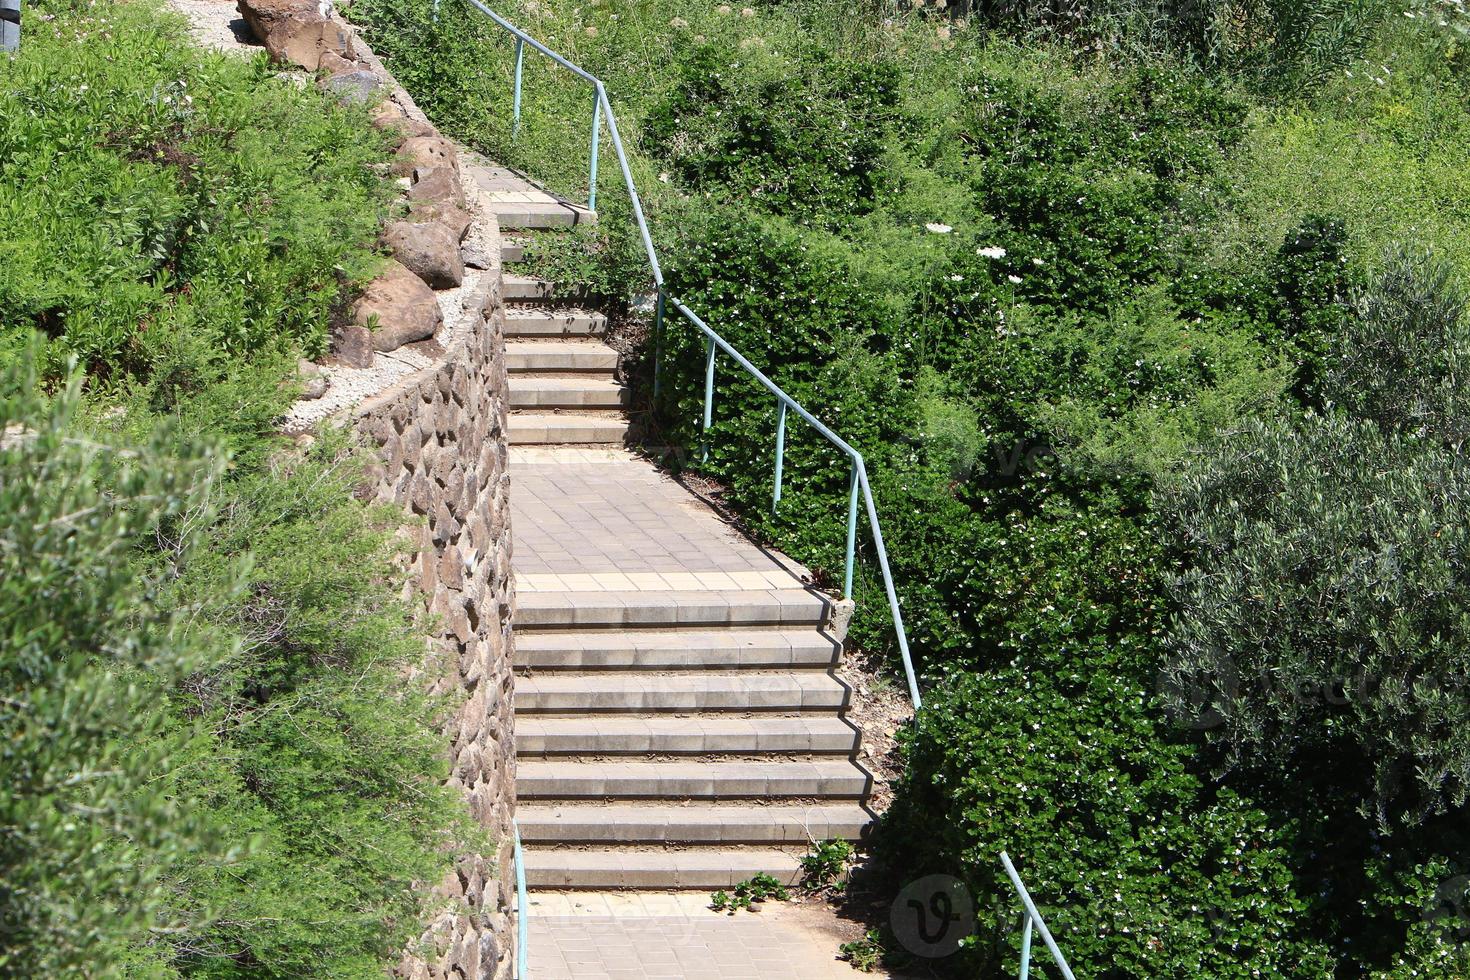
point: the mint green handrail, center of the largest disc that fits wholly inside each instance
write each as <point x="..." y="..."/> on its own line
<point x="858" y="479"/>
<point x="523" y="909"/>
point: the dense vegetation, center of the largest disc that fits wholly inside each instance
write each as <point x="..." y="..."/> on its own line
<point x="210" y="764"/>
<point x="1149" y="320"/>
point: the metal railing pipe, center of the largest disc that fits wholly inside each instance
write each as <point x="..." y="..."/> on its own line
<point x="574" y="69"/>
<point x="523" y="909"/>
<point x="851" y="552"/>
<point x="633" y="198"/>
<point x="1033" y="915"/>
<point x="596" y="138"/>
<point x="515" y="126"/>
<point x="780" y="452"/>
<point x="709" y="396"/>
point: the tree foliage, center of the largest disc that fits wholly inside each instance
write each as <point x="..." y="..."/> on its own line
<point x="85" y="833"/>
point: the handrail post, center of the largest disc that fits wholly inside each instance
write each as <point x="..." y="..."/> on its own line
<point x="658" y="343"/>
<point x="523" y="922"/>
<point x="709" y="396"/>
<point x="596" y="137"/>
<point x="1026" y="947"/>
<point x="852" y="501"/>
<point x="780" y="452"/>
<point x="1034" y="916"/>
<point x="515" y="126"/>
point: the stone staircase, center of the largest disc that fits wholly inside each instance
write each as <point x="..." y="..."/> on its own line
<point x="678" y="720"/>
<point x="563" y="378"/>
<point x="680" y="739"/>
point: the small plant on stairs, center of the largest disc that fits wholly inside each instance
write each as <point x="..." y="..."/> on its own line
<point x="824" y="869"/>
<point x="749" y="894"/>
<point x="865" y="953"/>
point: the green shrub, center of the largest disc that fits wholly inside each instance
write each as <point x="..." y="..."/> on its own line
<point x="310" y="745"/>
<point x="739" y="123"/>
<point x="1140" y="867"/>
<point x="1400" y="358"/>
<point x="149" y="191"/>
<point x="1320" y="614"/>
<point x="86" y="836"/>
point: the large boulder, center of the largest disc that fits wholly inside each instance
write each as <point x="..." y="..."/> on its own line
<point x="457" y="220"/>
<point x="429" y="250"/>
<point x="437" y="185"/>
<point x="295" y="32"/>
<point x="398" y="308"/>
<point x="424" y="152"/>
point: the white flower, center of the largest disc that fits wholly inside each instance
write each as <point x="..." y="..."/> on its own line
<point x="746" y="12"/>
<point x="678" y="22"/>
<point x="939" y="229"/>
<point x="956" y="278"/>
<point x="664" y="177"/>
<point x="991" y="252"/>
<point x="1038" y="262"/>
<point x="1014" y="279"/>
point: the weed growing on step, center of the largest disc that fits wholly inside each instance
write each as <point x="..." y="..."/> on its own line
<point x="749" y="894"/>
<point x="824" y="868"/>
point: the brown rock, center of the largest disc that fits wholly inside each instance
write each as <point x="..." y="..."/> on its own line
<point x="313" y="384"/>
<point x="430" y="251"/>
<point x="359" y="87"/>
<point x="294" y="32"/>
<point x="334" y="64"/>
<point x="439" y="185"/>
<point x="389" y="115"/>
<point x="399" y="309"/>
<point x="457" y="220"/>
<point x="423" y="152"/>
<point x="353" y="346"/>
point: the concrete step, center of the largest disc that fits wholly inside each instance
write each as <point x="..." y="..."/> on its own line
<point x="542" y="735"/>
<point x="675" y="649"/>
<point x="538" y="215"/>
<point x="511" y="251"/>
<point x="752" y="607"/>
<point x="798" y="823"/>
<point x="688" y="692"/>
<point x="695" y="780"/>
<point x="530" y="429"/>
<point x="556" y="356"/>
<point x="701" y="868"/>
<point x="537" y="391"/>
<point x="514" y="288"/>
<point x="540" y="321"/>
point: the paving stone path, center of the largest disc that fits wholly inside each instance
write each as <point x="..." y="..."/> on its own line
<point x="678" y="721"/>
<point x="651" y="937"/>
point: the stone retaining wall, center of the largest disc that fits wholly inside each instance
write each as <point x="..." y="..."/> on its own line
<point x="441" y="436"/>
<point x="438" y="421"/>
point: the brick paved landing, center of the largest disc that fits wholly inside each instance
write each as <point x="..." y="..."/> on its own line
<point x="646" y="936"/>
<point x="606" y="519"/>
